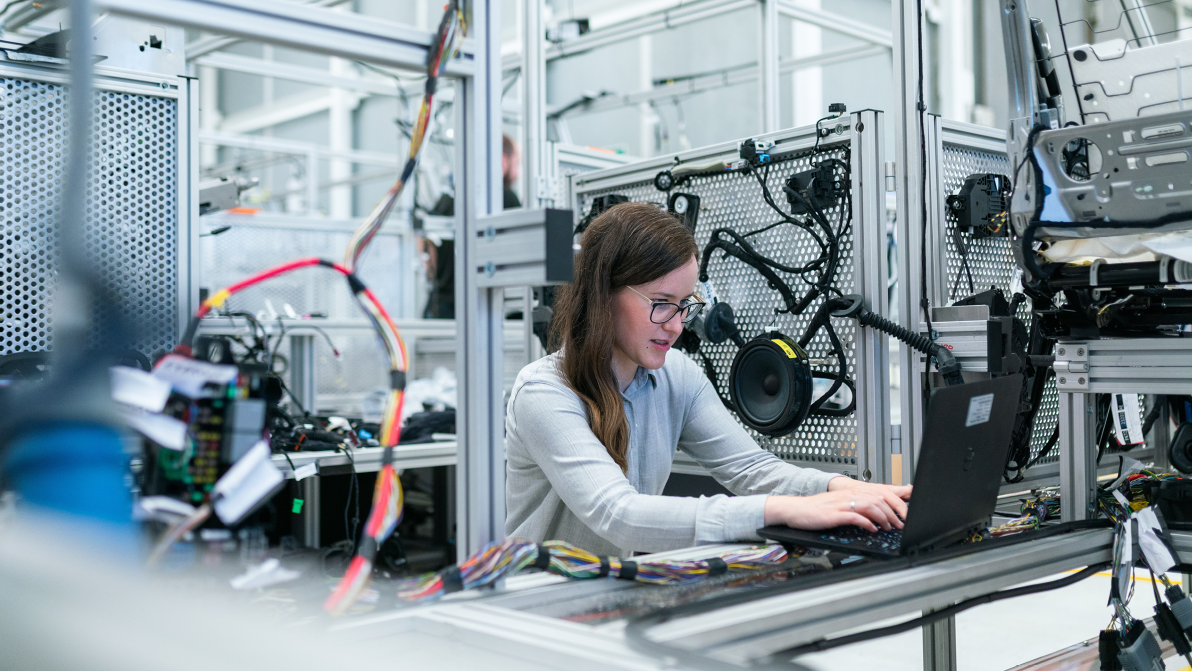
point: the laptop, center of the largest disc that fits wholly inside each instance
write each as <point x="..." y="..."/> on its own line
<point x="965" y="442"/>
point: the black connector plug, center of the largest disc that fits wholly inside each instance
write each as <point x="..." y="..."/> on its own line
<point x="1170" y="630"/>
<point x="1108" y="647"/>
<point x="1181" y="607"/>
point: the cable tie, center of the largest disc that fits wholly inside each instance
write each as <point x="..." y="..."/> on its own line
<point x="452" y="580"/>
<point x="628" y="570"/>
<point x="603" y="567"/>
<point x="368" y="549"/>
<point x="716" y="566"/>
<point x="397" y="379"/>
<point x="543" y="560"/>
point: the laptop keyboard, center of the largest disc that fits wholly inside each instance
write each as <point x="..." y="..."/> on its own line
<point x="881" y="541"/>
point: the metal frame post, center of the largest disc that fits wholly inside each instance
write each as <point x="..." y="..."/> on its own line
<point x="909" y="120"/>
<point x="302" y="370"/>
<point x="479" y="362"/>
<point x="768" y="67"/>
<point x="871" y="272"/>
<point x="939" y="645"/>
<point x="535" y="162"/>
<point x="1078" y="467"/>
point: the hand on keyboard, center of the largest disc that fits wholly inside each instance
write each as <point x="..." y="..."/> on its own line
<point x="865" y="507"/>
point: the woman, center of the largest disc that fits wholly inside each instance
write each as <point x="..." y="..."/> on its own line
<point x="592" y="429"/>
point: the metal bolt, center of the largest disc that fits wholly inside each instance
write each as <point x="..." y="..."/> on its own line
<point x="165" y="85"/>
<point x="1080" y="352"/>
<point x="1062" y="351"/>
<point x="1063" y="380"/>
<point x="868" y="475"/>
<point x="490" y="269"/>
<point x="490" y="233"/>
<point x="1080" y="380"/>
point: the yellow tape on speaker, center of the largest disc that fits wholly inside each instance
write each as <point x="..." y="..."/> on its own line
<point x="790" y="353"/>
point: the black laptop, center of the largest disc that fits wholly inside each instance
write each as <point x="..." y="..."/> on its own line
<point x="957" y="478"/>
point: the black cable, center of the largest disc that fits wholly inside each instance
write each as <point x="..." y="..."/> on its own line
<point x="821" y="645"/>
<point x="920" y="109"/>
<point x="1046" y="449"/>
<point x="353" y="486"/>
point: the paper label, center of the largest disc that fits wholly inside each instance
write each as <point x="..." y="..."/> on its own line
<point x="306" y="471"/>
<point x="980" y="407"/>
<point x="135" y="387"/>
<point x="790" y="353"/>
<point x="1152" y="543"/>
<point x="246" y="483"/>
<point x="1126" y="425"/>
<point x="164" y="430"/>
<point x="1121" y="498"/>
<point x="188" y="376"/>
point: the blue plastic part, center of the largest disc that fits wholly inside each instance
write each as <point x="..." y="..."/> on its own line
<point x="74" y="468"/>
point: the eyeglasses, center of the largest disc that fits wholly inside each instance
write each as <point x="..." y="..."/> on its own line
<point x="661" y="313"/>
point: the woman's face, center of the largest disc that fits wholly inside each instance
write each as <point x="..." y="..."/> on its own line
<point x="639" y="341"/>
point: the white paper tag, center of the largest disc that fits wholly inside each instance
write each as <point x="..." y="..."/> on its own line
<point x="1127" y="571"/>
<point x="188" y="376"/>
<point x="306" y="471"/>
<point x="268" y="572"/>
<point x="1121" y="499"/>
<point x="1129" y="467"/>
<point x="980" y="407"/>
<point x="164" y="430"/>
<point x="249" y="480"/>
<point x="1150" y="541"/>
<point x="1126" y="424"/>
<point x="133" y="386"/>
<point x="151" y="506"/>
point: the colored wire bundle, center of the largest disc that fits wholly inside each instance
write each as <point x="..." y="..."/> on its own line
<point x="451" y="32"/>
<point x="388" y="504"/>
<point x="504" y="558"/>
<point x="493" y="562"/>
<point x="388" y="498"/>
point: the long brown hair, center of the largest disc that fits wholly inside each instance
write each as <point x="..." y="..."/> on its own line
<point x="629" y="244"/>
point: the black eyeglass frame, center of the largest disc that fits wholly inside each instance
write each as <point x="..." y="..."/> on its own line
<point x="691" y="308"/>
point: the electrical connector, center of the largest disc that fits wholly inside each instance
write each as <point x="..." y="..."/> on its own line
<point x="1170" y="630"/>
<point x="1181" y="607"/>
<point x="1140" y="651"/>
<point x="756" y="152"/>
<point x="1108" y="647"/>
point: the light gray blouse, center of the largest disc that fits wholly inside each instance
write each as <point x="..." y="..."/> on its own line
<point x="562" y="484"/>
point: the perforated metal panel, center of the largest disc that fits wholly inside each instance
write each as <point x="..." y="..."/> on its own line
<point x="990" y="262"/>
<point x="735" y="201"/>
<point x="132" y="210"/>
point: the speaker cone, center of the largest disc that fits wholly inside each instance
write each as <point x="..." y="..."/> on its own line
<point x="770" y="383"/>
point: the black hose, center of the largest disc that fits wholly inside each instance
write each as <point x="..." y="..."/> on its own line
<point x="934" y="616"/>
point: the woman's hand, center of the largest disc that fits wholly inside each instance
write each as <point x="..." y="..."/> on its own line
<point x="847" y="501"/>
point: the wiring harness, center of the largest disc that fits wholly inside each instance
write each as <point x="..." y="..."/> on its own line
<point x="502" y="559"/>
<point x="388" y="497"/>
<point x="450" y="36"/>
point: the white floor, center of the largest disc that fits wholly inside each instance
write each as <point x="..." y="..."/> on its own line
<point x="1001" y="635"/>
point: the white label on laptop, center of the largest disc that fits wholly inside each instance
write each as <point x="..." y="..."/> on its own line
<point x="980" y="407"/>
